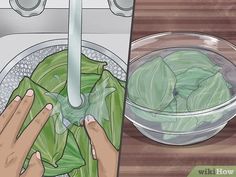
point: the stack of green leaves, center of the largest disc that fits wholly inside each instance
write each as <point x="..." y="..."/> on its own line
<point x="184" y="81"/>
<point x="69" y="151"/>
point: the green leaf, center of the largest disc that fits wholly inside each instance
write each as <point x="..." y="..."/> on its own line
<point x="71" y="159"/>
<point x="123" y="83"/>
<point x="90" y="169"/>
<point x="97" y="101"/>
<point x="74" y="115"/>
<point x="172" y="107"/>
<point x="183" y="60"/>
<point x="152" y="117"/>
<point x="70" y="115"/>
<point x="180" y="125"/>
<point x="111" y="123"/>
<point x="49" y="143"/>
<point x="211" y="92"/>
<point x="190" y="80"/>
<point x="152" y="85"/>
<point x="114" y="105"/>
<point x="87" y="83"/>
<point x="181" y="104"/>
<point x="54" y="69"/>
<point x="49" y="83"/>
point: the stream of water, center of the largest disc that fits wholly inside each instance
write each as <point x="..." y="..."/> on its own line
<point x="74" y="53"/>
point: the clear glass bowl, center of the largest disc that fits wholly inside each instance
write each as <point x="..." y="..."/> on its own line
<point x="219" y="115"/>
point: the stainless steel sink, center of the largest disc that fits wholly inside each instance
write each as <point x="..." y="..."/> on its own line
<point x="97" y="21"/>
<point x="100" y="26"/>
<point x="50" y="21"/>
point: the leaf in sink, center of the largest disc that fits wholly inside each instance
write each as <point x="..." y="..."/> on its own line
<point x="54" y="69"/>
<point x="71" y="159"/>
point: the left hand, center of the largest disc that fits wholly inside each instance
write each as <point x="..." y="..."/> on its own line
<point x="14" y="148"/>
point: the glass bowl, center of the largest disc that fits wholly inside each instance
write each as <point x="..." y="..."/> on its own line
<point x="217" y="116"/>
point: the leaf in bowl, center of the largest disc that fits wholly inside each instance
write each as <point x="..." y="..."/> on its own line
<point x="183" y="60"/>
<point x="152" y="85"/>
<point x="212" y="92"/>
<point x="172" y="107"/>
<point x="180" y="125"/>
<point x="153" y="117"/>
<point x="190" y="80"/>
<point x="181" y="104"/>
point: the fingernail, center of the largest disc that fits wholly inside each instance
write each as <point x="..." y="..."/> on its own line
<point x="49" y="107"/>
<point x="38" y="155"/>
<point x="30" y="93"/>
<point x="89" y="118"/>
<point x="17" y="98"/>
<point x="94" y="153"/>
<point x="22" y="171"/>
<point x="81" y="122"/>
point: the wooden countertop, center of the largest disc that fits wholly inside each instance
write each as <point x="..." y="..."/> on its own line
<point x="141" y="157"/>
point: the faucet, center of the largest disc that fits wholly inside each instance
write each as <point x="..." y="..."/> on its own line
<point x="29" y="8"/>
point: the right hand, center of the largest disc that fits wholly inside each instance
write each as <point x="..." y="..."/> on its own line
<point x="102" y="149"/>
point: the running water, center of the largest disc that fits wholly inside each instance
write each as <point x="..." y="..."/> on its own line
<point x="74" y="53"/>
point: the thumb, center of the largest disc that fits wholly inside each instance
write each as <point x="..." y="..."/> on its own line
<point x="98" y="137"/>
<point x="102" y="148"/>
<point x="35" y="167"/>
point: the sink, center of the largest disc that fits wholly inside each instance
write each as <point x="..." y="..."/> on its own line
<point x="100" y="26"/>
<point x="18" y="34"/>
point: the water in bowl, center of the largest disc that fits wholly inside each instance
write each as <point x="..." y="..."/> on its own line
<point x="171" y="126"/>
<point x="225" y="67"/>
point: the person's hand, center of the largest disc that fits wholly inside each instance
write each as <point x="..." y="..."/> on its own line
<point x="14" y="148"/>
<point x="102" y="149"/>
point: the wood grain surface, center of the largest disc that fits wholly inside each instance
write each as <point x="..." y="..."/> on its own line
<point x="141" y="157"/>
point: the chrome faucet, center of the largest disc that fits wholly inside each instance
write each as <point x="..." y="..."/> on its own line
<point x="29" y="8"/>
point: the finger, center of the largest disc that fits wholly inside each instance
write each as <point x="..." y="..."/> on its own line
<point x="8" y="113"/>
<point x="94" y="153"/>
<point x="20" y="115"/>
<point x="30" y="134"/>
<point x="96" y="134"/>
<point x="35" y="168"/>
<point x="94" y="130"/>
